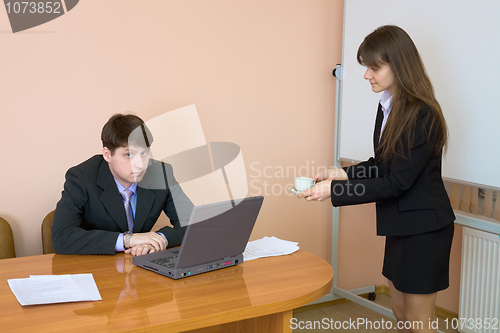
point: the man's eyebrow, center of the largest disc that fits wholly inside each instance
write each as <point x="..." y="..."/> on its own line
<point x="137" y="150"/>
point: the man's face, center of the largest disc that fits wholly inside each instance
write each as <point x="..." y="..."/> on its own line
<point x="128" y="164"/>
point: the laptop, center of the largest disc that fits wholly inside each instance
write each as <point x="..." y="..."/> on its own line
<point x="215" y="238"/>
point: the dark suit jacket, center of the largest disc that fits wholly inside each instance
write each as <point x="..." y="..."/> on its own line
<point x="90" y="215"/>
<point x="409" y="193"/>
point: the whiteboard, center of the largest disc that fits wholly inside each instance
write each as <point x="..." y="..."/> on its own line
<point x="459" y="42"/>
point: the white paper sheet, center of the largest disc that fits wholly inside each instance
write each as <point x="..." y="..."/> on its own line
<point x="268" y="247"/>
<point x="47" y="289"/>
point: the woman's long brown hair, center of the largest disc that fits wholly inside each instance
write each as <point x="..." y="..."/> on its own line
<point x="391" y="45"/>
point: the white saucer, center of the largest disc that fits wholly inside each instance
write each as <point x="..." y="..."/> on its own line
<point x="294" y="190"/>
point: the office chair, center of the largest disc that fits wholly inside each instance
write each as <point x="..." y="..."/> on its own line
<point x="7" y="249"/>
<point x="47" y="233"/>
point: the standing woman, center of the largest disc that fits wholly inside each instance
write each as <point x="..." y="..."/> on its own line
<point x="403" y="177"/>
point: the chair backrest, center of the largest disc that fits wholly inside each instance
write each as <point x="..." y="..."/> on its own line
<point x="7" y="249"/>
<point x="47" y="233"/>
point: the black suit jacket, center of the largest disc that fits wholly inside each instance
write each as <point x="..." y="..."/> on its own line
<point x="90" y="215"/>
<point x="409" y="193"/>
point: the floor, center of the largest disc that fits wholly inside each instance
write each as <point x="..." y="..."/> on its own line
<point x="351" y="317"/>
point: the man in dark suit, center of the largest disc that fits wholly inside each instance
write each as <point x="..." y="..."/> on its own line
<point x="111" y="201"/>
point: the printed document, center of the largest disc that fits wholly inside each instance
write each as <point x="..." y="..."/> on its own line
<point x="47" y="289"/>
<point x="268" y="247"/>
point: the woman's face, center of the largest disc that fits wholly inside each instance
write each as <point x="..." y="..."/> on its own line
<point x="381" y="78"/>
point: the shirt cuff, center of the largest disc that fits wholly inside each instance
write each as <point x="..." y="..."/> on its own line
<point x="160" y="233"/>
<point x="119" y="244"/>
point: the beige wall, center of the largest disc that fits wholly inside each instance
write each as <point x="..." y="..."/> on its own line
<point x="258" y="71"/>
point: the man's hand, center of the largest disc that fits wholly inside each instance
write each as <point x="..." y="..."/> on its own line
<point x="141" y="249"/>
<point x="319" y="192"/>
<point x="156" y="241"/>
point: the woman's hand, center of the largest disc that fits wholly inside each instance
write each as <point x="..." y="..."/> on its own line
<point x="331" y="174"/>
<point x="319" y="192"/>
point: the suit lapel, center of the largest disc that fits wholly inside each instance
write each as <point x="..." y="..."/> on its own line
<point x="110" y="197"/>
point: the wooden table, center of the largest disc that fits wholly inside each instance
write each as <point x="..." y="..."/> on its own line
<point x="256" y="296"/>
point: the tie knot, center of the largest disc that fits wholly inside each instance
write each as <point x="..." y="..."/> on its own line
<point x="126" y="194"/>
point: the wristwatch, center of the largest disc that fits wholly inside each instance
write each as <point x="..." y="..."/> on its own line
<point x="126" y="240"/>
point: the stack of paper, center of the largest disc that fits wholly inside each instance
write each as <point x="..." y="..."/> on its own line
<point x="47" y="289"/>
<point x="268" y="247"/>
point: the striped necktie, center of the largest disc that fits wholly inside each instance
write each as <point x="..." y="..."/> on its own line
<point x="126" y="194"/>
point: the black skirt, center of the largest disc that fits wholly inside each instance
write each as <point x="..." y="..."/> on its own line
<point x="419" y="264"/>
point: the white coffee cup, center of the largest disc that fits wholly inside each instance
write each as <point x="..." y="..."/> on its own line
<point x="303" y="183"/>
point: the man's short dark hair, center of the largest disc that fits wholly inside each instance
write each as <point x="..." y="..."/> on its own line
<point x="124" y="128"/>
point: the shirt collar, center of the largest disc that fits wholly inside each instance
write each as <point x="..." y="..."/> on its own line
<point x="386" y="101"/>
<point x="132" y="188"/>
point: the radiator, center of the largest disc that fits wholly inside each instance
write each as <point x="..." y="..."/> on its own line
<point x="479" y="309"/>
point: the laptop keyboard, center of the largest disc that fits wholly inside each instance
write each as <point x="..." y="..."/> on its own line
<point x="167" y="262"/>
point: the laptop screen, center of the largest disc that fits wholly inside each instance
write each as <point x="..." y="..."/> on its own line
<point x="221" y="235"/>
